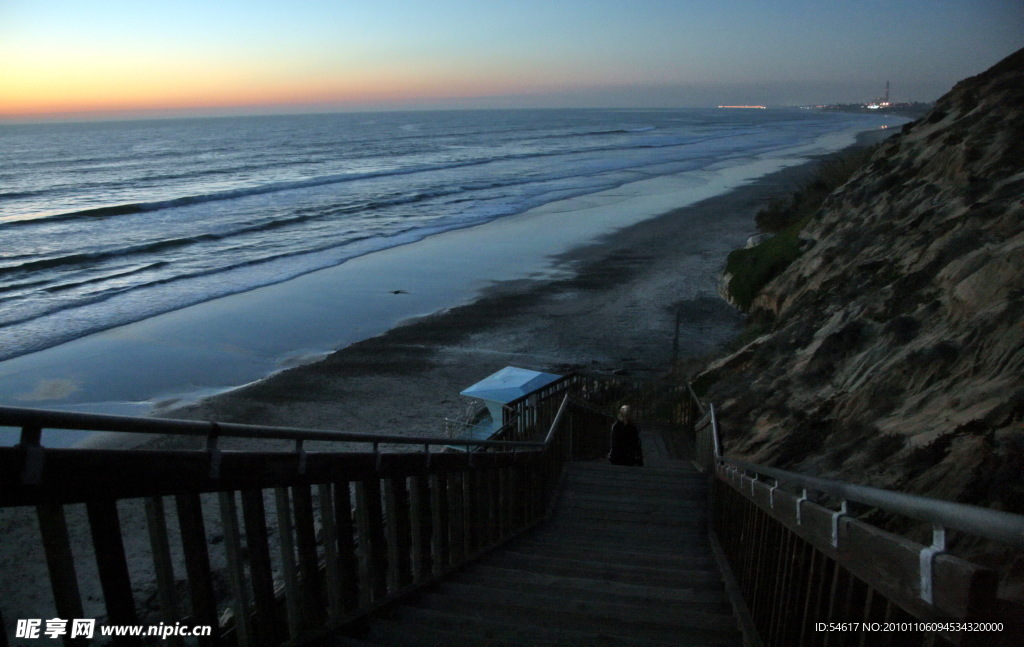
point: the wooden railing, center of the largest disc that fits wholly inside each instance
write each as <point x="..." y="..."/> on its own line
<point x="653" y="400"/>
<point x="811" y="573"/>
<point x="307" y="542"/>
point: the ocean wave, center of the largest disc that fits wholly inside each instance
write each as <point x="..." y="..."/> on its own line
<point x="14" y="195"/>
<point x="118" y="263"/>
<point x="599" y="133"/>
<point x="70" y="285"/>
<point x="135" y="208"/>
<point x="21" y="285"/>
<point x="105" y="294"/>
<point x="230" y="194"/>
<point x="36" y="264"/>
<point x="82" y="258"/>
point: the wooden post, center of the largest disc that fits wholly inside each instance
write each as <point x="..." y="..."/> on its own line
<point x="422" y="526"/>
<point x="390" y="534"/>
<point x="799" y="578"/>
<point x="472" y="506"/>
<point x="761" y="552"/>
<point x="456" y="485"/>
<point x="348" y="563"/>
<point x="197" y="562"/>
<point x="491" y="506"/>
<point x="376" y="545"/>
<point x="468" y="514"/>
<point x="857" y="602"/>
<point x="782" y="584"/>
<point x="517" y="496"/>
<point x="59" y="560"/>
<point x="163" y="566"/>
<point x="331" y="564"/>
<point x="293" y="606"/>
<point x="403" y="529"/>
<point x="268" y="630"/>
<point x="749" y="545"/>
<point x="236" y="568"/>
<point x="396" y="502"/>
<point x="415" y="528"/>
<point x="309" y="561"/>
<point x="113" y="567"/>
<point x="504" y="501"/>
<point x="808" y="619"/>
<point x="439" y="506"/>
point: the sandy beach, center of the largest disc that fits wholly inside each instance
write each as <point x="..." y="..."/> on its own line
<point x="608" y="306"/>
<point x="614" y="311"/>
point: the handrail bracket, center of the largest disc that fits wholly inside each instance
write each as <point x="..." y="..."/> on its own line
<point x="928" y="561"/>
<point x="836" y="516"/>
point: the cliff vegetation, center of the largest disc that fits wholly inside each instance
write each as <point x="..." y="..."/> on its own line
<point x="888" y="313"/>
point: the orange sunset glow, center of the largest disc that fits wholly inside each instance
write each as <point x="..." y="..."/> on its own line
<point x="64" y="57"/>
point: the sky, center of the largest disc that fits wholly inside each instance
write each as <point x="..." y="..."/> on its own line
<point x="73" y="58"/>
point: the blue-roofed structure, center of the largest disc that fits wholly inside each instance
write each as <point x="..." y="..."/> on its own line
<point x="497" y="390"/>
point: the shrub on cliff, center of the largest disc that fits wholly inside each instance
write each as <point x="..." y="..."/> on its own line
<point x="781" y="214"/>
<point x="752" y="268"/>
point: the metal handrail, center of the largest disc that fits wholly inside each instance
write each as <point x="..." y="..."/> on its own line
<point x="38" y="419"/>
<point x="997" y="525"/>
<point x="715" y="439"/>
<point x="1000" y="526"/>
<point x="557" y="421"/>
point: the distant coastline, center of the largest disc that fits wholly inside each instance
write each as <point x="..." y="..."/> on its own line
<point x="217" y="344"/>
<point x="913" y="110"/>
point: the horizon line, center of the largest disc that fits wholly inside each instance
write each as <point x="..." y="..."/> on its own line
<point x="164" y="114"/>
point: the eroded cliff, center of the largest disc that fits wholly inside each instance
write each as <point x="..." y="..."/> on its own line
<point x="894" y="345"/>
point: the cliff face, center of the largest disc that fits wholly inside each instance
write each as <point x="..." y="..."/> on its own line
<point x="895" y="351"/>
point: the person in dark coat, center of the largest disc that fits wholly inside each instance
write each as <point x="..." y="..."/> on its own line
<point x="625" y="440"/>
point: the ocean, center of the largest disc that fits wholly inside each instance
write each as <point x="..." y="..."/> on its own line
<point x="107" y="223"/>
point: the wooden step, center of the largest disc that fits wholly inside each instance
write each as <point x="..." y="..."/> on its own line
<point x="624" y="560"/>
<point x="645" y="575"/>
<point x="635" y="602"/>
<point x="479" y="628"/>
<point x="623" y="555"/>
<point x="675" y="590"/>
<point x="604" y="465"/>
<point x="608" y="517"/>
<point x="625" y="533"/>
<point x="635" y="475"/>
<point x="585" y="619"/>
<point x="417" y="627"/>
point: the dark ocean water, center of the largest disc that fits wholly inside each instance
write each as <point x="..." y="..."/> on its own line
<point x="106" y="223"/>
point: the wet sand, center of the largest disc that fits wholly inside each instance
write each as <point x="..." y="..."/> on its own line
<point x="614" y="309"/>
<point x="615" y="312"/>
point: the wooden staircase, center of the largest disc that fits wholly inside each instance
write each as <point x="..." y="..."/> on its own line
<point x="623" y="560"/>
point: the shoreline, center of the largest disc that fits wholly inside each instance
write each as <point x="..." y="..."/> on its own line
<point x="179" y="362"/>
<point x="615" y="311"/>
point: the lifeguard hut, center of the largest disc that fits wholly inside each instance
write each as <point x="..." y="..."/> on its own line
<point x="495" y="391"/>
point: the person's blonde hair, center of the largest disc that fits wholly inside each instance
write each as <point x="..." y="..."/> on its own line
<point x="625" y="413"/>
